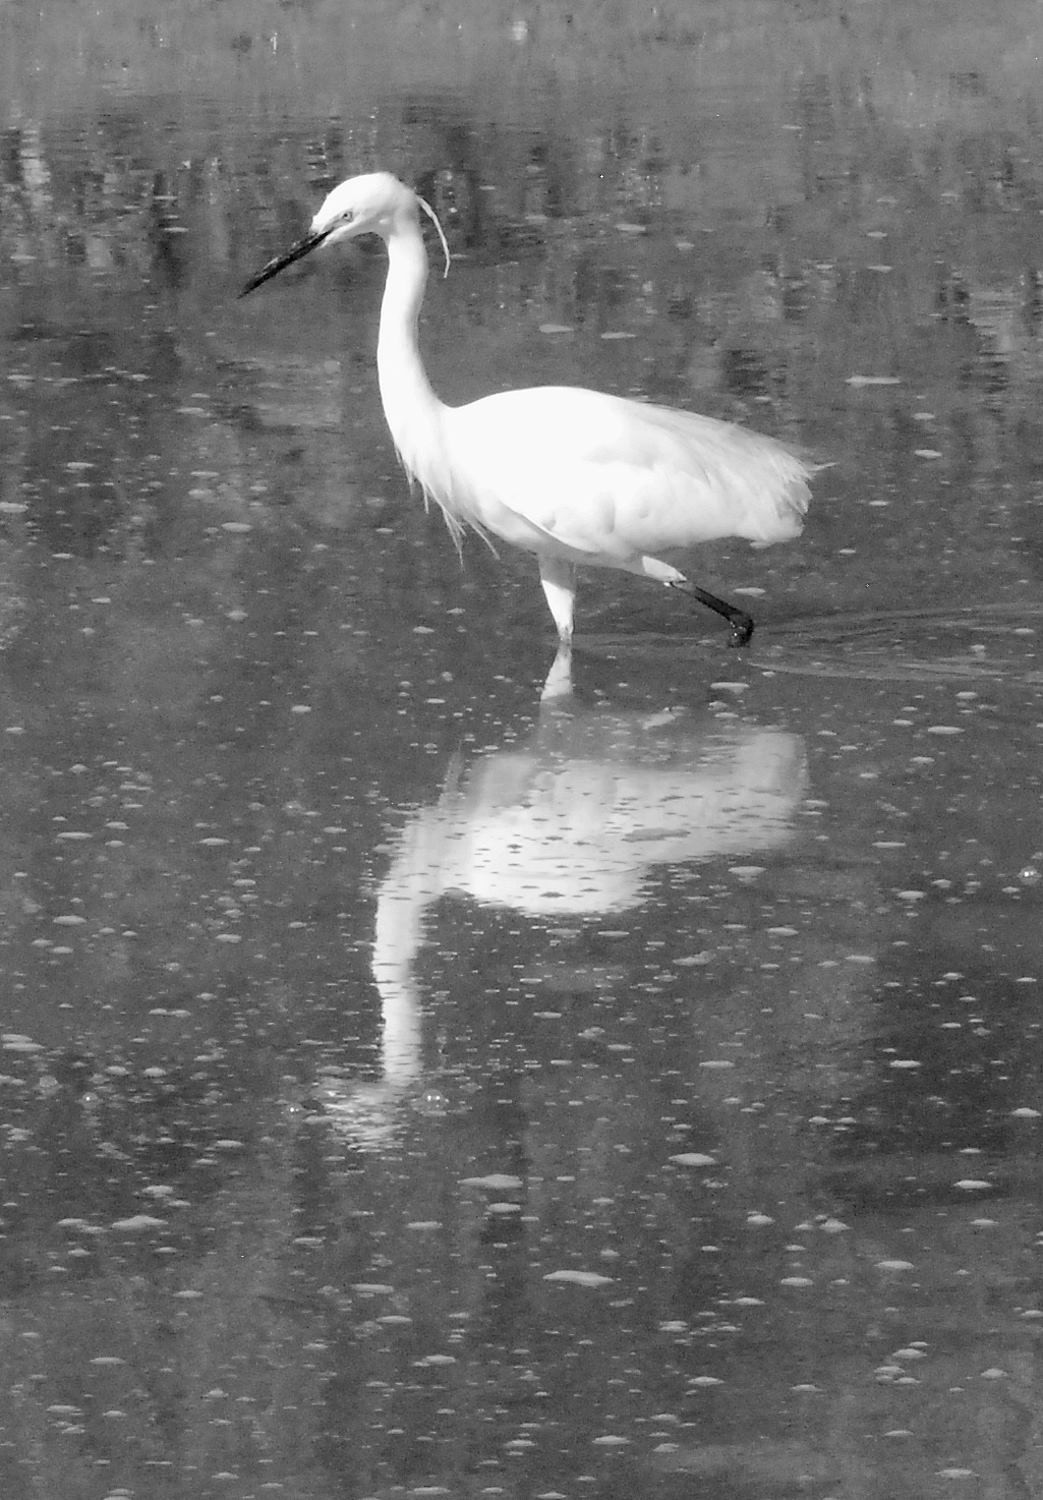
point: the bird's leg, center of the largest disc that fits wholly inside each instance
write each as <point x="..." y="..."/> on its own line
<point x="738" y="619"/>
<point x="559" y="585"/>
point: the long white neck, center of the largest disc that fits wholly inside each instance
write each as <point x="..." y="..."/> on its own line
<point x="412" y="409"/>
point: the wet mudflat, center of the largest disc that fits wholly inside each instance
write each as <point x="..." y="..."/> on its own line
<point x="410" y="1086"/>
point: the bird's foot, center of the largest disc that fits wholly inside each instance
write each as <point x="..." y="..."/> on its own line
<point x="742" y="629"/>
<point x="738" y="619"/>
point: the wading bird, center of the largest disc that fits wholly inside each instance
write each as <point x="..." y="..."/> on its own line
<point x="577" y="477"/>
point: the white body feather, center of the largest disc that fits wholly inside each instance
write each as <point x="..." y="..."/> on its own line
<point x="602" y="481"/>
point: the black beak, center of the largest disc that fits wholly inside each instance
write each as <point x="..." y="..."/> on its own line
<point x="295" y="252"/>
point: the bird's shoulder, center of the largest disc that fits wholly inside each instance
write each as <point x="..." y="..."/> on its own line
<point x="531" y="420"/>
<point x="576" y="425"/>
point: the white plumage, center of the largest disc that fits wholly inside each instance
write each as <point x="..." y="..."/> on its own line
<point x="576" y="477"/>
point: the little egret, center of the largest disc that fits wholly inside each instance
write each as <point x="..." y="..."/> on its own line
<point x="578" y="477"/>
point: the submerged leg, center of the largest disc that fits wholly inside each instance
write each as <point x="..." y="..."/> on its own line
<point x="559" y="586"/>
<point x="738" y="619"/>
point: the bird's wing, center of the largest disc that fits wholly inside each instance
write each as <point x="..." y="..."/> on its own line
<point x="613" y="479"/>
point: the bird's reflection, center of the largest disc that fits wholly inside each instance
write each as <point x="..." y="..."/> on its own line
<point x="569" y="825"/>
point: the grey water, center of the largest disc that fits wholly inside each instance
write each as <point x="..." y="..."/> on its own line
<point x="410" y="1086"/>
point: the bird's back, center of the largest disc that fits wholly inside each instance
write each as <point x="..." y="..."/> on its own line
<point x="606" y="480"/>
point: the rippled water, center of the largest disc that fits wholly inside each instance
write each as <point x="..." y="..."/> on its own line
<point x="410" y="1086"/>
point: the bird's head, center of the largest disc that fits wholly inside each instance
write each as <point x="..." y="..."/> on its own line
<point x="375" y="203"/>
<point x="363" y="205"/>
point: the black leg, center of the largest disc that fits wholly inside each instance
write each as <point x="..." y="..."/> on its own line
<point x="738" y="619"/>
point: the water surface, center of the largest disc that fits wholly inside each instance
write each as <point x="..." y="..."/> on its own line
<point x="410" y="1086"/>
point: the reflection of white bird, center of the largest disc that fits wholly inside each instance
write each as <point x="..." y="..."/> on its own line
<point x="568" y="826"/>
<point x="575" y="476"/>
<point x="572" y="824"/>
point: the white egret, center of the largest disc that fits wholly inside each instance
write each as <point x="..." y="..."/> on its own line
<point x="577" y="477"/>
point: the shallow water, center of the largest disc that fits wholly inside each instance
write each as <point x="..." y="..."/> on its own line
<point x="410" y="1086"/>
